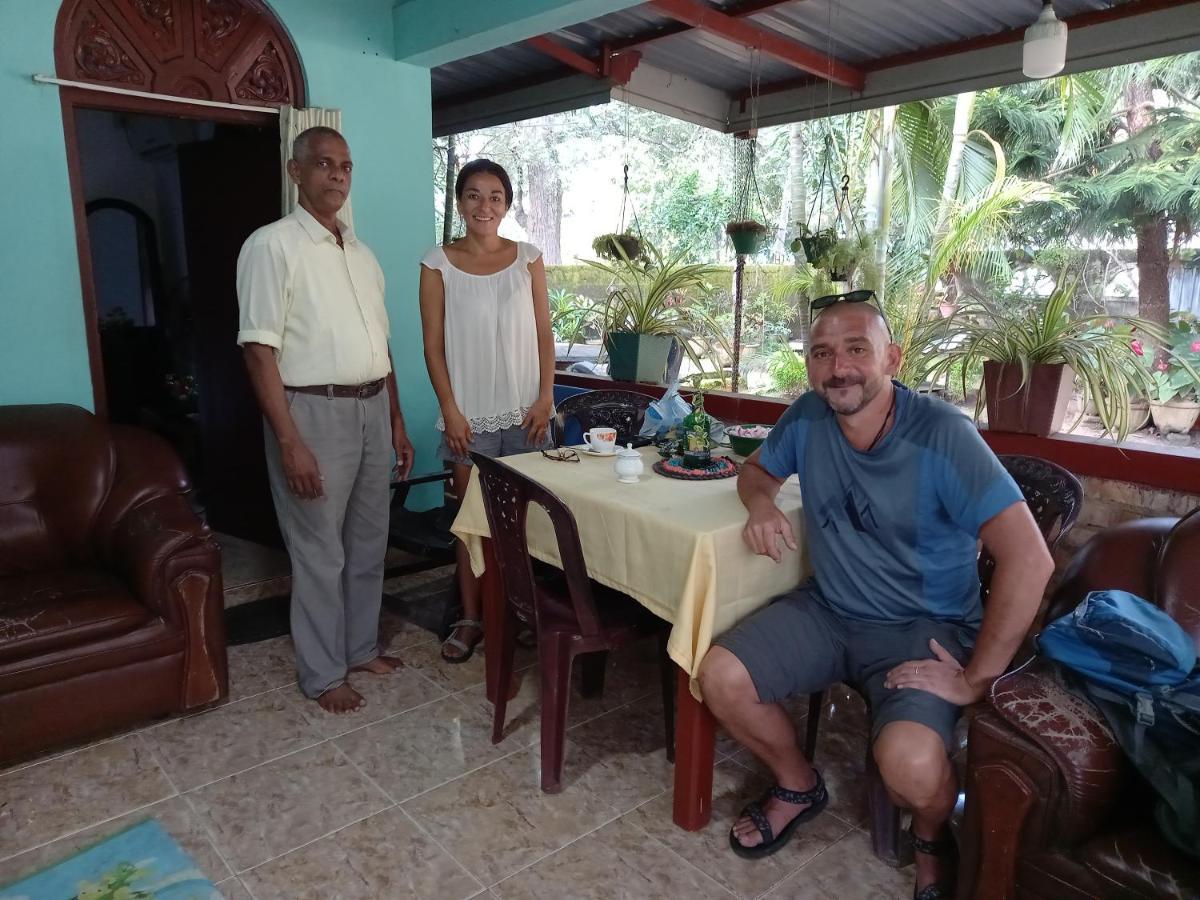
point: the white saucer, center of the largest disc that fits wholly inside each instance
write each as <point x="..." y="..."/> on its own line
<point x="584" y="448"/>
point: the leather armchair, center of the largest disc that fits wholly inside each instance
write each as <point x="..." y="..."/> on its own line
<point x="1054" y="810"/>
<point x="111" y="605"/>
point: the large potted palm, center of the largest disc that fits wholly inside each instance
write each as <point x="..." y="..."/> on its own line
<point x="1032" y="354"/>
<point x="651" y="303"/>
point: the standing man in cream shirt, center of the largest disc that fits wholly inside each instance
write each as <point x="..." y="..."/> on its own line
<point x="313" y="332"/>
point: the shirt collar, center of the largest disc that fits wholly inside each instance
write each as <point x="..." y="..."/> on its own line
<point x="316" y="230"/>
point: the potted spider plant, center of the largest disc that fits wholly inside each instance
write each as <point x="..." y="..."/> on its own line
<point x="650" y="305"/>
<point x="1031" y="355"/>
<point x="746" y="235"/>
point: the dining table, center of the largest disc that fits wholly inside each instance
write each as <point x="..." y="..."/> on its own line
<point x="673" y="545"/>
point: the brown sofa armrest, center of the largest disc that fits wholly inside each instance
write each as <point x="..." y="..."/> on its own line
<point x="1091" y="766"/>
<point x="147" y="537"/>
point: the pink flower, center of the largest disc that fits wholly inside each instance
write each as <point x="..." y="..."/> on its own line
<point x="1111" y="323"/>
<point x="1161" y="365"/>
<point x="1196" y="346"/>
<point x="1136" y="347"/>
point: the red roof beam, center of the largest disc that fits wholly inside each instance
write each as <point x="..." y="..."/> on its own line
<point x="705" y="18"/>
<point x="615" y="66"/>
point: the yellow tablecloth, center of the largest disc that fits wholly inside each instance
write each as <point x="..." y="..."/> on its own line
<point x="674" y="546"/>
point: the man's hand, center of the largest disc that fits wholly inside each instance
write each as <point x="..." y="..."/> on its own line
<point x="404" y="452"/>
<point x="766" y="525"/>
<point x="458" y="433"/>
<point x="537" y="420"/>
<point x="301" y="470"/>
<point x="944" y="677"/>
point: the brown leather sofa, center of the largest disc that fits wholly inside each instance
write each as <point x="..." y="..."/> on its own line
<point x="111" y="604"/>
<point x="1054" y="810"/>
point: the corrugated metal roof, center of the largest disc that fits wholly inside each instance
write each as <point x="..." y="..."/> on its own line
<point x="861" y="33"/>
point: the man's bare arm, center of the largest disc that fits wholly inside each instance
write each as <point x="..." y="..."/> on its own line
<point x="299" y="465"/>
<point x="757" y="488"/>
<point x="1023" y="568"/>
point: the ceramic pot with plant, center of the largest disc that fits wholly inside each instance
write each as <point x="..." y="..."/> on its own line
<point x="1032" y="351"/>
<point x="747" y="236"/>
<point x="815" y="244"/>
<point x="1174" y="403"/>
<point x="652" y="304"/>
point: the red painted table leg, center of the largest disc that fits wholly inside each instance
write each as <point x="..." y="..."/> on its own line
<point x="695" y="742"/>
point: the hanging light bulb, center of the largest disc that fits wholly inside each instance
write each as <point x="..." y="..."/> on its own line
<point x="1045" y="51"/>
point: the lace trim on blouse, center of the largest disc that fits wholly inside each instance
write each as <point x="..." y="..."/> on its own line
<point x="484" y="424"/>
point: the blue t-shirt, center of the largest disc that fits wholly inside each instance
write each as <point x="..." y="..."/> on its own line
<point x="892" y="532"/>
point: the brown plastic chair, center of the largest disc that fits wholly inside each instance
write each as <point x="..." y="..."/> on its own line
<point x="1054" y="496"/>
<point x="571" y="614"/>
<point x="623" y="410"/>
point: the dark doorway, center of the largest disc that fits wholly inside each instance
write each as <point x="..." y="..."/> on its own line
<point x="169" y="202"/>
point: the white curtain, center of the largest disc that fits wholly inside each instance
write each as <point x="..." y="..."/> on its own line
<point x="292" y="121"/>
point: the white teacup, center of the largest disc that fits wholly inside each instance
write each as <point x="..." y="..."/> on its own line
<point x="601" y="440"/>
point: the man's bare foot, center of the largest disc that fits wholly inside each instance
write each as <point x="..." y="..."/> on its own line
<point x="778" y="812"/>
<point x="341" y="699"/>
<point x="380" y="665"/>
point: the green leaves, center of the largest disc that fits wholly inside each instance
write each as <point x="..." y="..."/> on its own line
<point x="1097" y="348"/>
<point x="659" y="296"/>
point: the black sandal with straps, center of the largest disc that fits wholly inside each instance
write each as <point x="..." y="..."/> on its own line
<point x="943" y="848"/>
<point x="817" y="797"/>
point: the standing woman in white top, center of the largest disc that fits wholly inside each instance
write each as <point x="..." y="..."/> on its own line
<point x="485" y="315"/>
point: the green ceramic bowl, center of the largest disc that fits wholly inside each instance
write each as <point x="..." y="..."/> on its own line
<point x="744" y="446"/>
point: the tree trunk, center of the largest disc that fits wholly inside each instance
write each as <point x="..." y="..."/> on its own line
<point x="448" y="199"/>
<point x="878" y="214"/>
<point x="964" y="105"/>
<point x="544" y="220"/>
<point x="793" y="197"/>
<point x="1153" y="248"/>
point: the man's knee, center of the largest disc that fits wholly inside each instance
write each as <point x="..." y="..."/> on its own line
<point x="913" y="762"/>
<point x="724" y="679"/>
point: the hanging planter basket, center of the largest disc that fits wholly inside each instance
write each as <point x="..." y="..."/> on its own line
<point x="611" y="246"/>
<point x="747" y="236"/>
<point x="816" y="244"/>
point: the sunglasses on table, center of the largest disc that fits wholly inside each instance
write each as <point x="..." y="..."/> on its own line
<point x="561" y="454"/>
<point x="863" y="296"/>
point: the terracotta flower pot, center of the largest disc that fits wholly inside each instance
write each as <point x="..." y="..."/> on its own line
<point x="1175" y="416"/>
<point x="1036" y="407"/>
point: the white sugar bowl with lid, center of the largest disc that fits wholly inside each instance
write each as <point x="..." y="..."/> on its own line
<point x="628" y="465"/>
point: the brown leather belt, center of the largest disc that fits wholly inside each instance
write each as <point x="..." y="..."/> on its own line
<point x="360" y="391"/>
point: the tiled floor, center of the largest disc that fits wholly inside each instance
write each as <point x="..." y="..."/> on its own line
<point x="275" y="799"/>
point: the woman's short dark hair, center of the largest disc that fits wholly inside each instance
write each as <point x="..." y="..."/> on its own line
<point x="486" y="167"/>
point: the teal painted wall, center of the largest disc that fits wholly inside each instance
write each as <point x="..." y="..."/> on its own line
<point x="348" y="56"/>
<point x="43" y="351"/>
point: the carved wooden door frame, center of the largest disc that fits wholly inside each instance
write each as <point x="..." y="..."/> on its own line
<point x="231" y="51"/>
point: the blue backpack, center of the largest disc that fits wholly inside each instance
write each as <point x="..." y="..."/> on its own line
<point x="1139" y="667"/>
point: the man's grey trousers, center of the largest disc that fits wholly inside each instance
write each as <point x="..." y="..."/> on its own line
<point x="336" y="542"/>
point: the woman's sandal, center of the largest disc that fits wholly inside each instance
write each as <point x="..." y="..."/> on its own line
<point x="944" y="848"/>
<point x="815" y="796"/>
<point x="468" y="650"/>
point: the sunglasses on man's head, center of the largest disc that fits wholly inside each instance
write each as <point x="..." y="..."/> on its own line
<point x="823" y="303"/>
<point x="850" y="297"/>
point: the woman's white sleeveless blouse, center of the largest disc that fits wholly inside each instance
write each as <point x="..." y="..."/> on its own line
<point x="491" y="340"/>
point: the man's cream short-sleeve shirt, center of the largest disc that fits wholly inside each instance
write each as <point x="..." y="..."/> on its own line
<point x="320" y="307"/>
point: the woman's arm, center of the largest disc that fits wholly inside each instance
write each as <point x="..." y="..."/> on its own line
<point x="433" y="331"/>
<point x="538" y="418"/>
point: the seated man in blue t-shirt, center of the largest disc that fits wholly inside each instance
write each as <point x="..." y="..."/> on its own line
<point x="897" y="489"/>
